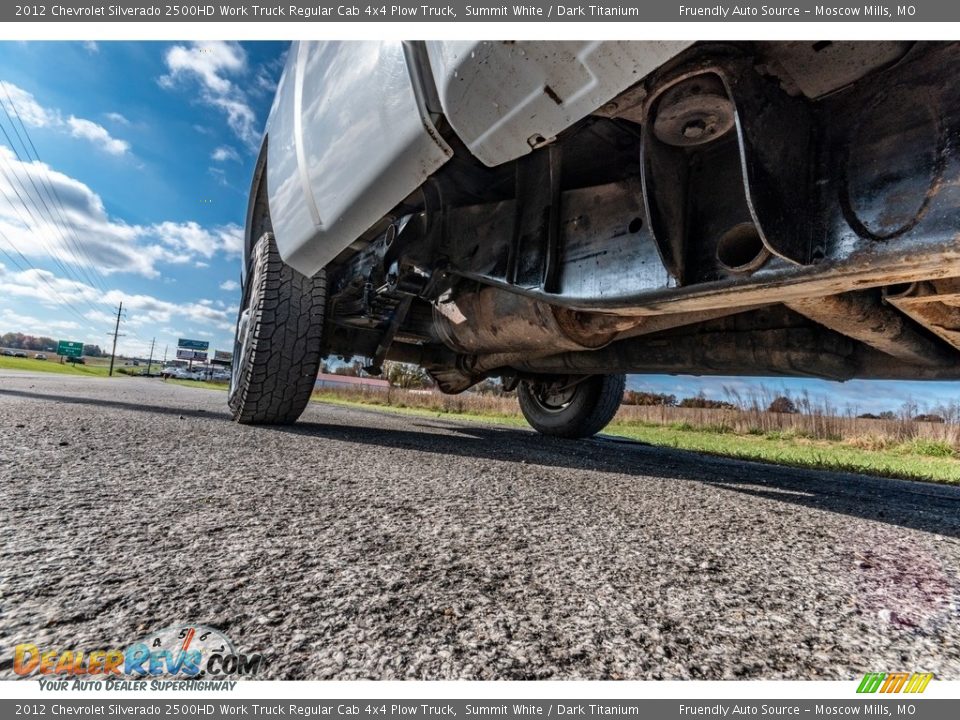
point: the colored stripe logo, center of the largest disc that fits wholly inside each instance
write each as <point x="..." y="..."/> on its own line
<point x="900" y="682"/>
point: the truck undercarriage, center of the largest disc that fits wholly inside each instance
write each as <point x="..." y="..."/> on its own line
<point x="764" y="209"/>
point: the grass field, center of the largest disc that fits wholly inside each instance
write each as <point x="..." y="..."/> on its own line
<point x="917" y="458"/>
<point x="53" y="366"/>
<point x="913" y="450"/>
<point x="200" y="384"/>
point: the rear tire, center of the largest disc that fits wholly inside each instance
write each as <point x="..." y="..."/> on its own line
<point x="572" y="412"/>
<point x="277" y="350"/>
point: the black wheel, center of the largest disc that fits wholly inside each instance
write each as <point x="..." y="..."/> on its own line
<point x="277" y="349"/>
<point x="572" y="407"/>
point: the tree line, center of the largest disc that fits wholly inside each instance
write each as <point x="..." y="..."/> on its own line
<point x="40" y="343"/>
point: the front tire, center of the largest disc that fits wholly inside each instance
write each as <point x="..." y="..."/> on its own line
<point x="571" y="409"/>
<point x="277" y="350"/>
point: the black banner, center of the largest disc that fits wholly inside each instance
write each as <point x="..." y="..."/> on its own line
<point x="915" y="708"/>
<point x="456" y="11"/>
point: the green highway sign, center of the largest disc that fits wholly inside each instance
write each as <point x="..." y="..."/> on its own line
<point x="68" y="348"/>
<point x="192" y="344"/>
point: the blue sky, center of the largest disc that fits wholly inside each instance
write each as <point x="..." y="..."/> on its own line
<point x="147" y="150"/>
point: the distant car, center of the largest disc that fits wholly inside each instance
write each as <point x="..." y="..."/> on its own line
<point x="77" y="360"/>
<point x="39" y="356"/>
<point x="181" y="373"/>
<point x="8" y="353"/>
<point x="20" y="354"/>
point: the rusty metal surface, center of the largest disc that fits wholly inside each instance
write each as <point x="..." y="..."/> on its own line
<point x="536" y="243"/>
<point x="862" y="316"/>
<point x="817" y="68"/>
<point x="493" y="320"/>
<point x="885" y="199"/>
<point x="790" y="351"/>
<point x="935" y="305"/>
<point x="815" y="200"/>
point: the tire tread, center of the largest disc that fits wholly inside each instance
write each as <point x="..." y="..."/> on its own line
<point x="600" y="398"/>
<point x="284" y="351"/>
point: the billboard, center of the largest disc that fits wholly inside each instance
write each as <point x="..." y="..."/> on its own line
<point x="222" y="357"/>
<point x="191" y="355"/>
<point x="69" y="348"/>
<point x="193" y="344"/>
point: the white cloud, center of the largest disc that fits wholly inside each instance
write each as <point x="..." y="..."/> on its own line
<point x="99" y="316"/>
<point x="240" y="118"/>
<point x="17" y="322"/>
<point x="229" y="285"/>
<point x="117" y="118"/>
<point x="224" y="153"/>
<point x="31" y="112"/>
<point x="231" y="239"/>
<point x="208" y="61"/>
<point x="107" y="243"/>
<point x="211" y="65"/>
<point x="20" y="102"/>
<point x="141" y="309"/>
<point x="98" y="135"/>
<point x="145" y="316"/>
<point x="91" y="47"/>
<point x="193" y="239"/>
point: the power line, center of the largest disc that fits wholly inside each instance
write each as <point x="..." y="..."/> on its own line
<point x="26" y="206"/>
<point x="84" y="261"/>
<point x="37" y="225"/>
<point x="32" y="201"/>
<point x="66" y="303"/>
<point x="96" y="278"/>
<point x="56" y="258"/>
<point x="70" y="306"/>
<point x="48" y="185"/>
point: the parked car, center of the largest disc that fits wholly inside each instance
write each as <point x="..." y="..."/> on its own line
<point x="181" y="373"/>
<point x="557" y="214"/>
<point x="20" y="354"/>
<point x="39" y="356"/>
<point x="76" y="360"/>
<point x="7" y="353"/>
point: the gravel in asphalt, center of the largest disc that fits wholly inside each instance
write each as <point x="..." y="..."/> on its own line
<point x="365" y="544"/>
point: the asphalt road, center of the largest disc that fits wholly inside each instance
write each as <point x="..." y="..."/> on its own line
<point x="362" y="544"/>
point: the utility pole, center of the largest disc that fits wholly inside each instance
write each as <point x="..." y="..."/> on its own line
<point x="165" y="348"/>
<point x="116" y="331"/>
<point x="150" y="361"/>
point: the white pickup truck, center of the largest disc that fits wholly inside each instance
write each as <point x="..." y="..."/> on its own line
<point x="558" y="214"/>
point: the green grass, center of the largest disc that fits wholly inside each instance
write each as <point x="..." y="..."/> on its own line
<point x="52" y="365"/>
<point x="915" y="460"/>
<point x="499" y="418"/>
<point x="200" y="384"/>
